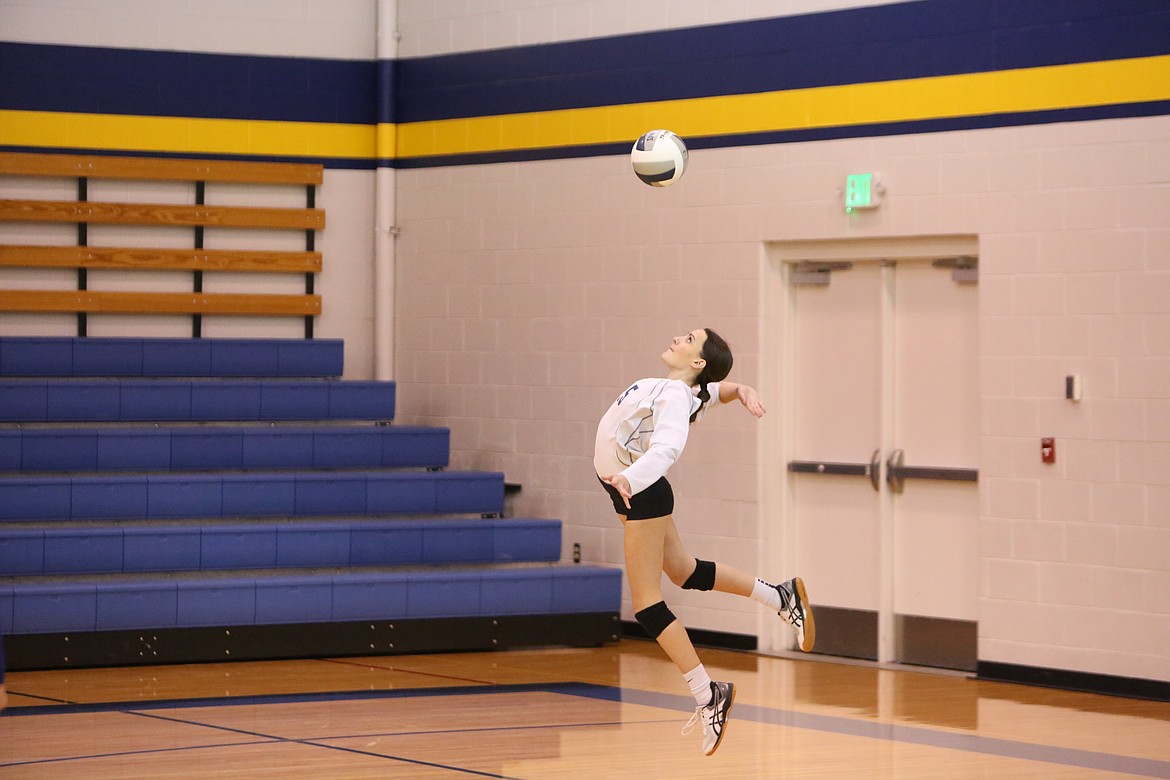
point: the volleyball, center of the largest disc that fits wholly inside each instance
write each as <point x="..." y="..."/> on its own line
<point x="659" y="158"/>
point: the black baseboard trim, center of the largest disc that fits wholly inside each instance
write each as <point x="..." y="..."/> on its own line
<point x="719" y="640"/>
<point x="1085" y="682"/>
<point x="28" y="652"/>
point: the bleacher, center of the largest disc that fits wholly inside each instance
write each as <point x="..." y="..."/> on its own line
<point x="177" y="500"/>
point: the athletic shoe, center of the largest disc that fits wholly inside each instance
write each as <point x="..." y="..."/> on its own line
<point x="713" y="716"/>
<point x="795" y="609"/>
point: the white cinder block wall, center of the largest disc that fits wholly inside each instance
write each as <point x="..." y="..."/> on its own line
<point x="539" y="290"/>
<point x="530" y="293"/>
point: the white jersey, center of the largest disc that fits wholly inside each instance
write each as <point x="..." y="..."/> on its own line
<point x="644" y="431"/>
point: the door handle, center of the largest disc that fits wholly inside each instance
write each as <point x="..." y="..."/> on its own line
<point x="894" y="470"/>
<point x="872" y="469"/>
<point x="898" y="472"/>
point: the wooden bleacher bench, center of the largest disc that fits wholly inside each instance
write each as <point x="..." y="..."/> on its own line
<point x="196" y="260"/>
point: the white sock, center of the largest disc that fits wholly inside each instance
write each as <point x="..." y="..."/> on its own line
<point x="767" y="595"/>
<point x="700" y="683"/>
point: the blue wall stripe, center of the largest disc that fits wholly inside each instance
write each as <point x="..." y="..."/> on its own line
<point x="874" y="44"/>
<point x="97" y="80"/>
<point x="881" y="43"/>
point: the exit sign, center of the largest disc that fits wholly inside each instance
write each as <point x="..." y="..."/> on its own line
<point x="862" y="191"/>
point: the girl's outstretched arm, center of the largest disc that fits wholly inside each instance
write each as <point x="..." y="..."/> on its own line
<point x="730" y="391"/>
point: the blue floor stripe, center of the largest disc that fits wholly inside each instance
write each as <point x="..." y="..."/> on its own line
<point x="916" y="735"/>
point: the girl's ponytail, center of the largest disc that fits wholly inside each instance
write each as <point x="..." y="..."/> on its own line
<point x="719" y="359"/>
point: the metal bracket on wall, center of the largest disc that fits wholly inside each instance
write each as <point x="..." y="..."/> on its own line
<point x="964" y="269"/>
<point x="816" y="273"/>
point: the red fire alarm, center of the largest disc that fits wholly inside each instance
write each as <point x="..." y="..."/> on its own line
<point x="1048" y="450"/>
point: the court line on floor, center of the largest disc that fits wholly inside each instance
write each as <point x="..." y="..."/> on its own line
<point x="274" y="698"/>
<point x="918" y="735"/>
<point x="263" y="739"/>
<point x="896" y="732"/>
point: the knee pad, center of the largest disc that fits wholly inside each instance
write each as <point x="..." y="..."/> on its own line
<point x="702" y="578"/>
<point x="655" y="618"/>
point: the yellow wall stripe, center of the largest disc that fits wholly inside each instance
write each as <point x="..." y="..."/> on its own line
<point x="181" y="135"/>
<point x="1104" y="83"/>
<point x="1032" y="89"/>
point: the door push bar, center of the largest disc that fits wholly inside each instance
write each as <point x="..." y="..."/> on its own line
<point x="897" y="472"/>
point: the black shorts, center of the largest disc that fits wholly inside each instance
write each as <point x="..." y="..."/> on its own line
<point x="655" y="501"/>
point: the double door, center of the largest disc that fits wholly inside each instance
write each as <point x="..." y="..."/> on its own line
<point x="883" y="453"/>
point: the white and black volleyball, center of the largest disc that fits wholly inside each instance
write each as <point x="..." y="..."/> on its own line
<point x="659" y="158"/>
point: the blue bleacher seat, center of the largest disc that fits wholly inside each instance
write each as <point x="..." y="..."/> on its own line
<point x="235" y="400"/>
<point x="11" y="450"/>
<point x="207" y="448"/>
<point x="107" y="357"/>
<point x="370" y="596"/>
<point x="229" y="601"/>
<point x="230" y="357"/>
<point x="160" y="400"/>
<point x="294" y="600"/>
<point x="141" y="604"/>
<point x="250" y="495"/>
<point x="183" y="495"/>
<point x="57" y="450"/>
<point x="385" y="543"/>
<point x="106" y="497"/>
<point x="22" y="551"/>
<point x="306" y="597"/>
<point x="6" y="598"/>
<point x="262" y="513"/>
<point x="360" y="400"/>
<point x="517" y="592"/>
<point x="294" y="400"/>
<point x="153" y="400"/>
<point x="457" y="543"/>
<point x="35" y="498"/>
<point x="331" y="493"/>
<point x="176" y="357"/>
<point x="431" y="594"/>
<point x="526" y="540"/>
<point x="92" y="401"/>
<point x="62" y="356"/>
<point x="158" y="448"/>
<point x="238" y="546"/>
<point x="123" y="449"/>
<point x="36" y="356"/>
<point x="23" y="400"/>
<point x="587" y="589"/>
<point x="161" y="548"/>
<point x="54" y="607"/>
<point x="187" y="546"/>
<point x="278" y="448"/>
<point x="313" y="544"/>
<point x="81" y="550"/>
<point x="347" y="448"/>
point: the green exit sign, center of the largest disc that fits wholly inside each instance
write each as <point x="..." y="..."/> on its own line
<point x="862" y="191"/>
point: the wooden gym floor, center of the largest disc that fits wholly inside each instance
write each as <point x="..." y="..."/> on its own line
<point x="611" y="712"/>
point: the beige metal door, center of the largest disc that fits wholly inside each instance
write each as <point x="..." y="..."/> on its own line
<point x="883" y="455"/>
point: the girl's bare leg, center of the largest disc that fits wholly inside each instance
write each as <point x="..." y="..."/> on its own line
<point x="679" y="565"/>
<point x="645" y="542"/>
